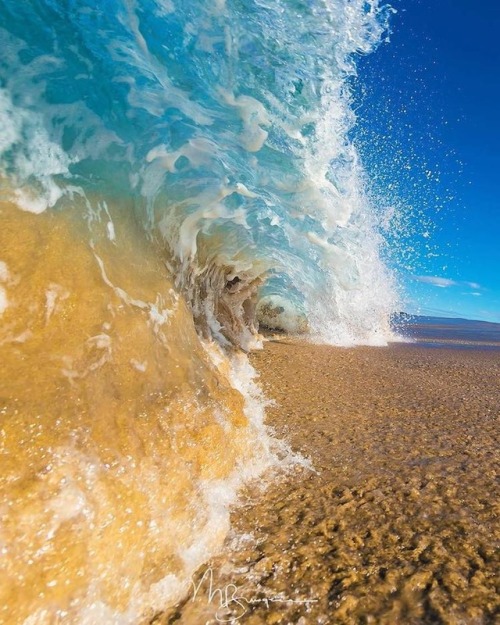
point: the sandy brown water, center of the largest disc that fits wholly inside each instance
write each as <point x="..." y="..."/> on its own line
<point x="399" y="523"/>
<point x="113" y="421"/>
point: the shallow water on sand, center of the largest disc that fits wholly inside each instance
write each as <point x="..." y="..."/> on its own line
<point x="398" y="524"/>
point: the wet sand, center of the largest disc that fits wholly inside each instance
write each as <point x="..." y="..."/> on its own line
<point x="399" y="523"/>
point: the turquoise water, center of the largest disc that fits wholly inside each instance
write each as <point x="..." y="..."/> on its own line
<point x="173" y="175"/>
<point x="228" y="123"/>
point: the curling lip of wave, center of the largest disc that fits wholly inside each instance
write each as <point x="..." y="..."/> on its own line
<point x="220" y="123"/>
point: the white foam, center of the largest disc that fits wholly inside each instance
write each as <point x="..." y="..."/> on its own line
<point x="4" y="272"/>
<point x="37" y="158"/>
<point x="254" y="115"/>
<point x="4" y="302"/>
<point x="138" y="365"/>
<point x="5" y="278"/>
<point x="53" y="295"/>
<point x="110" y="229"/>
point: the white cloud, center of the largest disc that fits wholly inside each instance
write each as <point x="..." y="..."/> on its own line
<point x="436" y="281"/>
<point x="446" y="282"/>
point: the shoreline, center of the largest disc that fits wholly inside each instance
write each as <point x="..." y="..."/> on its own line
<point x="398" y="522"/>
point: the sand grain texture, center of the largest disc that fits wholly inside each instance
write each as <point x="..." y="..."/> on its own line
<point x="400" y="523"/>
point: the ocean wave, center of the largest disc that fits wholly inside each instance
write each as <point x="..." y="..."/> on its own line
<point x="172" y="175"/>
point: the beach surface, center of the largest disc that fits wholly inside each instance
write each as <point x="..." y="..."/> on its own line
<point x="398" y="521"/>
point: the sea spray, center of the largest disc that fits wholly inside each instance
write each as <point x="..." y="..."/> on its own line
<point x="170" y="172"/>
<point x="228" y="123"/>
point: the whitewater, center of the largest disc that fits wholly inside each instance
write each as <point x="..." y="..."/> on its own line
<point x="173" y="176"/>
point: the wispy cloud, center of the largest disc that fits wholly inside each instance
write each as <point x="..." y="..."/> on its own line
<point x="444" y="283"/>
<point x="436" y="281"/>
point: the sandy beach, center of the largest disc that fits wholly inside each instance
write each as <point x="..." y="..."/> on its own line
<point x="398" y="522"/>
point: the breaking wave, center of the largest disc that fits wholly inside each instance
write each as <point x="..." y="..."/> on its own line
<point x="172" y="176"/>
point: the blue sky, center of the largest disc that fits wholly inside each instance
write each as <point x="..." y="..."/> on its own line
<point x="429" y="134"/>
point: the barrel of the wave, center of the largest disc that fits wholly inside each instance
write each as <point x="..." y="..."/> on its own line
<point x="168" y="171"/>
